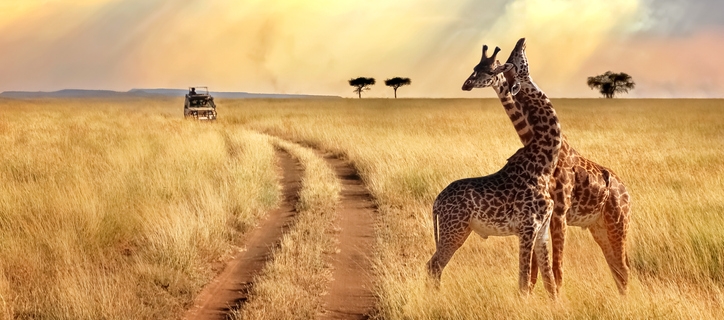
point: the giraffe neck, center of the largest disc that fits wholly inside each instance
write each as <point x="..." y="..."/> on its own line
<point x="535" y="120"/>
<point x="515" y="113"/>
<point x="526" y="81"/>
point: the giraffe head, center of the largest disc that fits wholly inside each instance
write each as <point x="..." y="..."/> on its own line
<point x="518" y="59"/>
<point x="489" y="72"/>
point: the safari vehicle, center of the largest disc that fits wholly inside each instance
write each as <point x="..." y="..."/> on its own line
<point x="199" y="104"/>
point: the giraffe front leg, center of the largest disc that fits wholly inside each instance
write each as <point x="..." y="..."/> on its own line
<point x="526" y="243"/>
<point x="558" y="238"/>
<point x="533" y="271"/>
<point x="541" y="253"/>
<point x="558" y="235"/>
<point x="562" y="206"/>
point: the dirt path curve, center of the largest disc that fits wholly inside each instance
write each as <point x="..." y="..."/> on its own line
<point x="350" y="293"/>
<point x="231" y="287"/>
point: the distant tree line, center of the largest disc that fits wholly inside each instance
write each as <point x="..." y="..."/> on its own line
<point x="608" y="84"/>
<point x="363" y="84"/>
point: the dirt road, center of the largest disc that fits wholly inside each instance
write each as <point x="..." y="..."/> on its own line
<point x="350" y="293"/>
<point x="231" y="287"/>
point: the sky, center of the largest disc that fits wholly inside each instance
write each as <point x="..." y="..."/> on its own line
<point x="671" y="48"/>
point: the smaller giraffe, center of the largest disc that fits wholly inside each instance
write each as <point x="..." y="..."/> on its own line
<point x="513" y="201"/>
<point x="585" y="193"/>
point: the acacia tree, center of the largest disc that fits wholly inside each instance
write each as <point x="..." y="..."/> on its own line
<point x="609" y="83"/>
<point x="397" y="82"/>
<point x="361" y="84"/>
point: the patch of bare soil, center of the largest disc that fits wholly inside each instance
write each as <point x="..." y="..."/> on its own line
<point x="350" y="294"/>
<point x="230" y="289"/>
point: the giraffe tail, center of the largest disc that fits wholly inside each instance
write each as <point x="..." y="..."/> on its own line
<point x="606" y="177"/>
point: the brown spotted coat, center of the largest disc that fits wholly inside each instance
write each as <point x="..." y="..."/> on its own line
<point x="585" y="193"/>
<point x="513" y="201"/>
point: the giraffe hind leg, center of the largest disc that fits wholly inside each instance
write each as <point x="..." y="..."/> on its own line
<point x="451" y="238"/>
<point x="612" y="250"/>
<point x="616" y="216"/>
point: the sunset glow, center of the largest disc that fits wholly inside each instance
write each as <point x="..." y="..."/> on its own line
<point x="314" y="47"/>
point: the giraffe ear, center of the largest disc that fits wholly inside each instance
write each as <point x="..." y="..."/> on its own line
<point x="503" y="68"/>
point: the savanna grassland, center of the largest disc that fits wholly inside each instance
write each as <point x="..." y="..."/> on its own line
<point x="121" y="209"/>
<point x="668" y="152"/>
<point x="118" y="209"/>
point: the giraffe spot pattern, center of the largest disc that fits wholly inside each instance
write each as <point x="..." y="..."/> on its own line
<point x="516" y="200"/>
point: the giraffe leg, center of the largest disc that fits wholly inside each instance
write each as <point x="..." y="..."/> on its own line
<point x="526" y="244"/>
<point x="533" y="271"/>
<point x="616" y="219"/>
<point x="452" y="236"/>
<point x="558" y="238"/>
<point x="615" y="261"/>
<point x="541" y="253"/>
<point x="534" y="252"/>
<point x="562" y="200"/>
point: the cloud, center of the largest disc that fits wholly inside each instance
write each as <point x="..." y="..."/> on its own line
<point x="679" y="17"/>
<point x="561" y="34"/>
<point x="315" y="46"/>
<point x="79" y="43"/>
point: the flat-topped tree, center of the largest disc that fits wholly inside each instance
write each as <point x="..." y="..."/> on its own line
<point x="610" y="83"/>
<point x="361" y="84"/>
<point x="397" y="82"/>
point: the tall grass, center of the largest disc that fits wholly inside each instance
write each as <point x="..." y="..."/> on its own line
<point x="117" y="209"/>
<point x="668" y="152"/>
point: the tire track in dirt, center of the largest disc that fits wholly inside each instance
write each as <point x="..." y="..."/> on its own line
<point x="350" y="294"/>
<point x="231" y="288"/>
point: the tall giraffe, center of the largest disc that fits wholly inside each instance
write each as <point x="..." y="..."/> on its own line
<point x="513" y="201"/>
<point x="585" y="193"/>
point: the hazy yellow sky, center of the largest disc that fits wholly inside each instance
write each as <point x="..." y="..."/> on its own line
<point x="671" y="47"/>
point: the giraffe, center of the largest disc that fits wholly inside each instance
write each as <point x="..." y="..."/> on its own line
<point x="513" y="201"/>
<point x="585" y="193"/>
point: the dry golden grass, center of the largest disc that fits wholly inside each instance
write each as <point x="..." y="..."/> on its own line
<point x="667" y="151"/>
<point x="115" y="209"/>
<point x="100" y="214"/>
